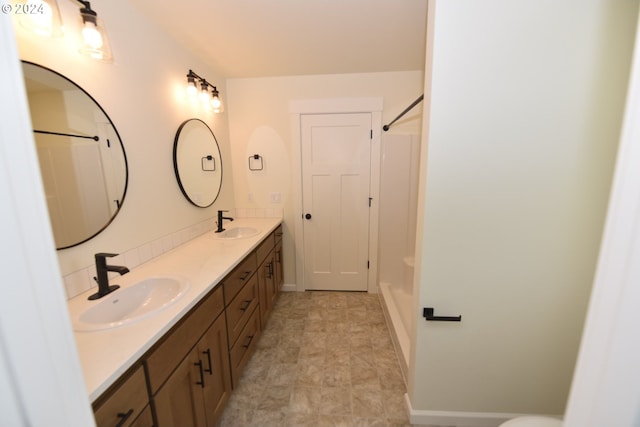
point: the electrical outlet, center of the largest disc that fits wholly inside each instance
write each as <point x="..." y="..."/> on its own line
<point x="276" y="197"/>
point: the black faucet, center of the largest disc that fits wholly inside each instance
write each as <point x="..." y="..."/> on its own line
<point x="220" y="219"/>
<point x="102" y="271"/>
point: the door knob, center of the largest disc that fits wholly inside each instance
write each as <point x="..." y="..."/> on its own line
<point x="308" y="216"/>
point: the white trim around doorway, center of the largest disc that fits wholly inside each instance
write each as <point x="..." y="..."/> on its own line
<point x="327" y="106"/>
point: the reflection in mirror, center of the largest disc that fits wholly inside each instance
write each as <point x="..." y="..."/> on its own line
<point x="197" y="162"/>
<point x="82" y="159"/>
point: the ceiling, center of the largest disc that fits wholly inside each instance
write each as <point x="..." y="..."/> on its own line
<point x="259" y="38"/>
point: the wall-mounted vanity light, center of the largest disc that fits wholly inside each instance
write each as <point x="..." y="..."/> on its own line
<point x="42" y="17"/>
<point x="198" y="86"/>
<point x="95" y="43"/>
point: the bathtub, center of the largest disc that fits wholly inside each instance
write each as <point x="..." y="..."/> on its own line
<point x="397" y="303"/>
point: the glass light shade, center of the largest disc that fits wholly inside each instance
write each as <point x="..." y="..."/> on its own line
<point x="192" y="89"/>
<point x="94" y="41"/>
<point x="91" y="36"/>
<point x="204" y="95"/>
<point x="42" y="17"/>
<point x="215" y="102"/>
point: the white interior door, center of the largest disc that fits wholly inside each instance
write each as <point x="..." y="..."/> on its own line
<point x="336" y="153"/>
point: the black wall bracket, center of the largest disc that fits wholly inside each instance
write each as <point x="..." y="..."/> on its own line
<point x="427" y="313"/>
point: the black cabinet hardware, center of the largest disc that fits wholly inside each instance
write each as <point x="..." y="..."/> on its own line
<point x="247" y="303"/>
<point x="208" y="370"/>
<point x="248" y="342"/>
<point x="124" y="417"/>
<point x="200" y="367"/>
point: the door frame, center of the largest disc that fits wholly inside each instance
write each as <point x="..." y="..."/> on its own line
<point x="336" y="106"/>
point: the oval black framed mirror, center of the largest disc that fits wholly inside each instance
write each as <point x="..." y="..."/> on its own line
<point x="197" y="163"/>
<point x="82" y="158"/>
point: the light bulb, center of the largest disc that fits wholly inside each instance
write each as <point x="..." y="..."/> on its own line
<point x="192" y="89"/>
<point x="215" y="102"/>
<point x="43" y="20"/>
<point x="91" y="35"/>
<point x="204" y="94"/>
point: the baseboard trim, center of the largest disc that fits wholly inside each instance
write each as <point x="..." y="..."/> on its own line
<point x="289" y="287"/>
<point x="457" y="418"/>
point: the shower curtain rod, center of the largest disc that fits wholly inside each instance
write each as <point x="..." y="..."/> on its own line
<point x="406" y="110"/>
<point x="46" y="132"/>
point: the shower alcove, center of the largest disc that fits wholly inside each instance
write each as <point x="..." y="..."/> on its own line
<point x="397" y="233"/>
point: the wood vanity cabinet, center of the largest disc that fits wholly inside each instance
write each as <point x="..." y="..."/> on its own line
<point x="249" y="303"/>
<point x="126" y="404"/>
<point x="270" y="272"/>
<point x="243" y="323"/>
<point x="189" y="373"/>
<point x="279" y="269"/>
<point x="195" y="394"/>
<point x="266" y="283"/>
<point x="186" y="378"/>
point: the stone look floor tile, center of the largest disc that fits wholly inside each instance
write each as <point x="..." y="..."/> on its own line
<point x="324" y="359"/>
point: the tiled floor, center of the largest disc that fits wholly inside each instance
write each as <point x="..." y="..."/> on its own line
<point x="324" y="359"/>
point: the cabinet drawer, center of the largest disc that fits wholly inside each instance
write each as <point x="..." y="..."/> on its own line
<point x="240" y="309"/>
<point x="238" y="277"/>
<point x="265" y="247"/>
<point x="168" y="353"/>
<point x="240" y="353"/>
<point x="126" y="400"/>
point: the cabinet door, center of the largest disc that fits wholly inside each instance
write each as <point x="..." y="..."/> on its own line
<point x="213" y="352"/>
<point x="180" y="401"/>
<point x="266" y="287"/>
<point x="144" y="420"/>
<point x="279" y="269"/>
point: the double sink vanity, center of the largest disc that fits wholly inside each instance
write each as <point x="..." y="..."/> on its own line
<point x="167" y="348"/>
<point x="163" y="344"/>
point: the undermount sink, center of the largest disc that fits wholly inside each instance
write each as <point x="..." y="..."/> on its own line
<point x="131" y="303"/>
<point x="237" y="233"/>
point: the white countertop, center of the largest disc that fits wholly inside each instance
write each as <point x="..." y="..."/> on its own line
<point x="204" y="261"/>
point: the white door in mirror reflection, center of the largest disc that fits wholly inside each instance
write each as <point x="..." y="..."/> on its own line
<point x="82" y="159"/>
<point x="83" y="181"/>
<point x="197" y="162"/>
<point x="76" y="196"/>
<point x="336" y="152"/>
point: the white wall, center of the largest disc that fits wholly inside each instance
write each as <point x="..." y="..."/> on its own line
<point x="143" y="92"/>
<point x="522" y="128"/>
<point x="259" y="123"/>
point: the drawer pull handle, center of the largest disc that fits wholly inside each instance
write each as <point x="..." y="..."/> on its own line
<point x="124" y="417"/>
<point x="199" y="365"/>
<point x="209" y="370"/>
<point x="269" y="268"/>
<point x="245" y="275"/>
<point x="247" y="303"/>
<point x="248" y="342"/>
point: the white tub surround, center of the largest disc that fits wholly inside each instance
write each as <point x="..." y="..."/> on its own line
<point x="203" y="261"/>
